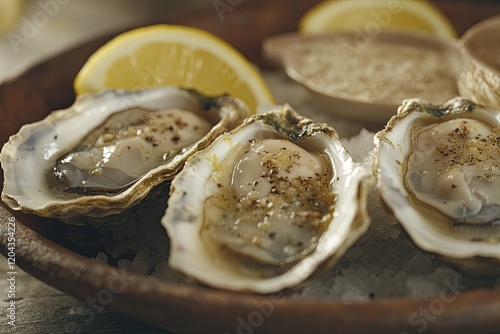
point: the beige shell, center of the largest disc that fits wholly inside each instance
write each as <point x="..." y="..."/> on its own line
<point x="266" y="205"/>
<point x="365" y="78"/>
<point x="30" y="156"/>
<point x="480" y="77"/>
<point x="438" y="170"/>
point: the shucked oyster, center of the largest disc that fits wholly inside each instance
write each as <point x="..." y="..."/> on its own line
<point x="265" y="205"/>
<point x="439" y="172"/>
<point x="103" y="155"/>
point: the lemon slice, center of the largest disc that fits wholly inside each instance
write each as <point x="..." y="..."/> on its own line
<point x="10" y="13"/>
<point x="370" y="16"/>
<point x="173" y="55"/>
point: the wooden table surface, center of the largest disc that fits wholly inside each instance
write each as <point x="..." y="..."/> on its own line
<point x="43" y="309"/>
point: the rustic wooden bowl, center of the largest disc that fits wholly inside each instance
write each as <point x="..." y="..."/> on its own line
<point x="43" y="250"/>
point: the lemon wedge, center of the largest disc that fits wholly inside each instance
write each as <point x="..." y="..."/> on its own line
<point x="10" y="13"/>
<point x="173" y="55"/>
<point x="371" y="16"/>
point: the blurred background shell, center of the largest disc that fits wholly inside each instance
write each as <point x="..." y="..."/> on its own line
<point x="480" y="78"/>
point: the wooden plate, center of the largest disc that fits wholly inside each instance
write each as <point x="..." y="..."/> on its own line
<point x="43" y="250"/>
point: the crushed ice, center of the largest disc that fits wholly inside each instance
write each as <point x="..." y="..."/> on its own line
<point x="383" y="263"/>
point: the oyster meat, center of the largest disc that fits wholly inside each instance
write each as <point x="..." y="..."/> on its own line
<point x="128" y="145"/>
<point x="266" y="205"/>
<point x="100" y="157"/>
<point x="438" y="168"/>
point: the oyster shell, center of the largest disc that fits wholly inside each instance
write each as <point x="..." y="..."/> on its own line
<point x="438" y="170"/>
<point x="479" y="79"/>
<point x="266" y="205"/>
<point x="95" y="160"/>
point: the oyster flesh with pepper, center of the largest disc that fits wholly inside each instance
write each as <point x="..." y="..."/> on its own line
<point x="438" y="170"/>
<point x="91" y="163"/>
<point x="266" y="205"/>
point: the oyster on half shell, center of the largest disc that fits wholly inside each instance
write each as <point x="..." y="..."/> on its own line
<point x="266" y="205"/>
<point x="438" y="170"/>
<point x="94" y="161"/>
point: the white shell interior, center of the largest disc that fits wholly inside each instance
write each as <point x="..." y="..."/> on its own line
<point x="393" y="146"/>
<point x="33" y="151"/>
<point x="184" y="217"/>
